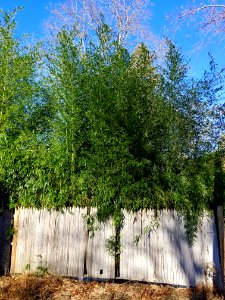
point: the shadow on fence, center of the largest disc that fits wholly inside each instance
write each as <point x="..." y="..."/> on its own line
<point x="59" y="242"/>
<point x="6" y="233"/>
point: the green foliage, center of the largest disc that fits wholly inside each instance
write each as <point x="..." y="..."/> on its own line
<point x="100" y="127"/>
<point x="27" y="267"/>
<point x="41" y="271"/>
<point x="18" y="86"/>
<point x="10" y="231"/>
<point x="113" y="247"/>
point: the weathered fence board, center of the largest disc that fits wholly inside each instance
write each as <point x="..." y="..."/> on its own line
<point x="57" y="241"/>
<point x="52" y="240"/>
<point x="153" y="250"/>
<point x="163" y="255"/>
<point x="100" y="264"/>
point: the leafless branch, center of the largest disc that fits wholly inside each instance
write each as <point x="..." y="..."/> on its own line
<point x="128" y="19"/>
<point x="198" y="9"/>
<point x="207" y="18"/>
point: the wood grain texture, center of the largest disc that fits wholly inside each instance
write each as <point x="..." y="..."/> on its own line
<point x="14" y="241"/>
<point x="100" y="264"/>
<point x="153" y="249"/>
<point x="52" y="240"/>
<point x="162" y="254"/>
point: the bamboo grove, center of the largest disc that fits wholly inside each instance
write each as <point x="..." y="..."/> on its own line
<point x="103" y="126"/>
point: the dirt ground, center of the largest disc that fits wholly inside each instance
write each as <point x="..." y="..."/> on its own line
<point x="27" y="287"/>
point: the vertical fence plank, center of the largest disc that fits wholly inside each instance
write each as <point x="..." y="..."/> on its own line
<point x="14" y="241"/>
<point x="50" y="240"/>
<point x="162" y="254"/>
<point x="100" y="263"/>
<point x="153" y="249"/>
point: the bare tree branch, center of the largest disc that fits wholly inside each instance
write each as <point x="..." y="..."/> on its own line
<point x="128" y="19"/>
<point x="197" y="9"/>
<point x="205" y="19"/>
<point x="209" y="18"/>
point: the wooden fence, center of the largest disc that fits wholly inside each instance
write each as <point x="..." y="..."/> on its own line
<point x="163" y="253"/>
<point x="62" y="243"/>
<point x="152" y="249"/>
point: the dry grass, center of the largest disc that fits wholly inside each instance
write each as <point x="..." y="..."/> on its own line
<point x="31" y="287"/>
<point x="28" y="287"/>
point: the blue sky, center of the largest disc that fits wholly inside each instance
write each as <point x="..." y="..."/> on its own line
<point x="31" y="19"/>
<point x="35" y="13"/>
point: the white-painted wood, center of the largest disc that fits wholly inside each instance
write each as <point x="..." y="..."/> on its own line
<point x="162" y="254"/>
<point x="100" y="264"/>
<point x="52" y="240"/>
<point x="153" y="249"/>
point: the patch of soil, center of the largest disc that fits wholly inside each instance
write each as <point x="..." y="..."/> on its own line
<point x="31" y="287"/>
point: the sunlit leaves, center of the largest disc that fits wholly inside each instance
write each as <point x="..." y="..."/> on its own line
<point x="105" y="128"/>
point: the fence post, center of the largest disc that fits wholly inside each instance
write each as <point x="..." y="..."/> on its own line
<point x="219" y="218"/>
<point x="14" y="241"/>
